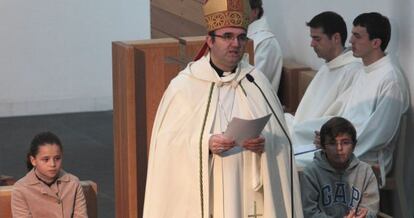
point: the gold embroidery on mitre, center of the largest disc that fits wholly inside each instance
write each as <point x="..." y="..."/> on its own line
<point x="226" y="13"/>
<point x="226" y="19"/>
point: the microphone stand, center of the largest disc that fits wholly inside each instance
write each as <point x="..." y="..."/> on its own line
<point x="251" y="79"/>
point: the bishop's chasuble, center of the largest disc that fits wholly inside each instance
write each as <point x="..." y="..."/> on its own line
<point x="185" y="180"/>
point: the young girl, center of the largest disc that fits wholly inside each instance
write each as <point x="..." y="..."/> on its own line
<point x="47" y="190"/>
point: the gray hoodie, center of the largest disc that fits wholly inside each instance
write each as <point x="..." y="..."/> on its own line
<point x="327" y="192"/>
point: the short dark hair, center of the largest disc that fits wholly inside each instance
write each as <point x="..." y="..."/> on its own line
<point x="41" y="139"/>
<point x="377" y="25"/>
<point x="257" y="4"/>
<point x="335" y="127"/>
<point x="331" y="23"/>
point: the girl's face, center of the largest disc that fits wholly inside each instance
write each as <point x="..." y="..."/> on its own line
<point x="48" y="161"/>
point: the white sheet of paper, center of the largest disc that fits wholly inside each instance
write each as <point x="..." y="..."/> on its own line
<point x="303" y="149"/>
<point x="241" y="129"/>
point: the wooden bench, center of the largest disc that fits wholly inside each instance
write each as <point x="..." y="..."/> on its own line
<point x="6" y="180"/>
<point x="293" y="83"/>
<point x="90" y="189"/>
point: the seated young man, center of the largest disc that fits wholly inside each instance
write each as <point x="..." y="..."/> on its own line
<point x="337" y="183"/>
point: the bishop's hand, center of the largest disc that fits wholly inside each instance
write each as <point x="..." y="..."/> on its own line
<point x="254" y="144"/>
<point x="219" y="143"/>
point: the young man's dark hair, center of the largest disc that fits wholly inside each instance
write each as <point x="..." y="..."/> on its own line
<point x="257" y="4"/>
<point x="377" y="25"/>
<point x="331" y="23"/>
<point x="337" y="126"/>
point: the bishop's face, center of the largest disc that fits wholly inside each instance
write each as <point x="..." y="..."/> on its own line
<point x="227" y="47"/>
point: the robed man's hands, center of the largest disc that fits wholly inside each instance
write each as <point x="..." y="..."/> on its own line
<point x="255" y="144"/>
<point x="219" y="143"/>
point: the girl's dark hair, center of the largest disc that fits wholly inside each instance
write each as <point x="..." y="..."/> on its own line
<point x="335" y="127"/>
<point x="41" y="139"/>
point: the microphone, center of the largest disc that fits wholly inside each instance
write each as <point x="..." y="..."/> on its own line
<point x="251" y="79"/>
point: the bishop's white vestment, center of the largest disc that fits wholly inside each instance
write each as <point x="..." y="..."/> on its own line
<point x="184" y="180"/>
<point x="377" y="100"/>
<point x="324" y="95"/>
<point x="267" y="52"/>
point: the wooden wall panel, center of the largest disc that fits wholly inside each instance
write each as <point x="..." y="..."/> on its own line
<point x="304" y="79"/>
<point x="162" y="71"/>
<point x="288" y="90"/>
<point x="131" y="92"/>
<point x="187" y="9"/>
<point x="177" y="18"/>
<point x="174" y="25"/>
<point x="156" y="34"/>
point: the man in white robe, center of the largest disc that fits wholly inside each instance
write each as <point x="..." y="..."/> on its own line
<point x="194" y="170"/>
<point x="378" y="98"/>
<point x="324" y="95"/>
<point x="267" y="52"/>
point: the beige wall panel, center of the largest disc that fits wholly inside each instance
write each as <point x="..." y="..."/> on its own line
<point x="173" y="25"/>
<point x="188" y="9"/>
<point x="156" y="34"/>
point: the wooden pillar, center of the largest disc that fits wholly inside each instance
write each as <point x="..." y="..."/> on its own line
<point x="124" y="129"/>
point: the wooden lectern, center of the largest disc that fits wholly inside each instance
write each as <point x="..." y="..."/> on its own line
<point x="142" y="71"/>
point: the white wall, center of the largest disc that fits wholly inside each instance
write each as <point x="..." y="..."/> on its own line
<point x="55" y="55"/>
<point x="287" y="18"/>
